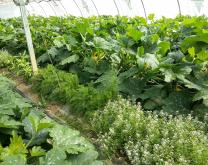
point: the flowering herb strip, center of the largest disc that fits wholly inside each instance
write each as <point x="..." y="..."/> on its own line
<point x="151" y="138"/>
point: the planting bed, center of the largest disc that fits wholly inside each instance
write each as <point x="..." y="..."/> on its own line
<point x="139" y="89"/>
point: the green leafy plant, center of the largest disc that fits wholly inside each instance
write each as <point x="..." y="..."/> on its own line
<point x="27" y="136"/>
<point x="162" y="64"/>
<point x="171" y="53"/>
<point x="17" y="64"/>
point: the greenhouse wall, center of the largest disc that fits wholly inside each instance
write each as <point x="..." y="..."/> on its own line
<point x="87" y="8"/>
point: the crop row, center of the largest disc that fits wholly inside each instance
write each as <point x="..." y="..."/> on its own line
<point x="121" y="126"/>
<point x="162" y="64"/>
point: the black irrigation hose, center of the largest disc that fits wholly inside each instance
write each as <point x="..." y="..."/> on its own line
<point x="53" y="117"/>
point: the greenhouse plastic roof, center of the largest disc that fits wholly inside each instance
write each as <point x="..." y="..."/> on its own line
<point x="85" y="8"/>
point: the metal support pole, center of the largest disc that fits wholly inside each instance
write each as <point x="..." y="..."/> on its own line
<point x="116" y="7"/>
<point x="145" y="13"/>
<point x="63" y="7"/>
<point x="78" y="8"/>
<point x="95" y="7"/>
<point x="54" y="10"/>
<point x="28" y="36"/>
<point x="179" y="7"/>
<point x="42" y="8"/>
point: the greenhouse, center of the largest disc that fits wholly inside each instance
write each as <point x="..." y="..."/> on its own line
<point x="86" y="8"/>
<point x="114" y="82"/>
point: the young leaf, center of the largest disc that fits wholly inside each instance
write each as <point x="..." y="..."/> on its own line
<point x="140" y="51"/>
<point x="191" y="51"/>
<point x="33" y="124"/>
<point x="134" y="33"/>
<point x="37" y="151"/>
<point x="36" y="128"/>
<point x="16" y="147"/>
<point x="163" y="47"/>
